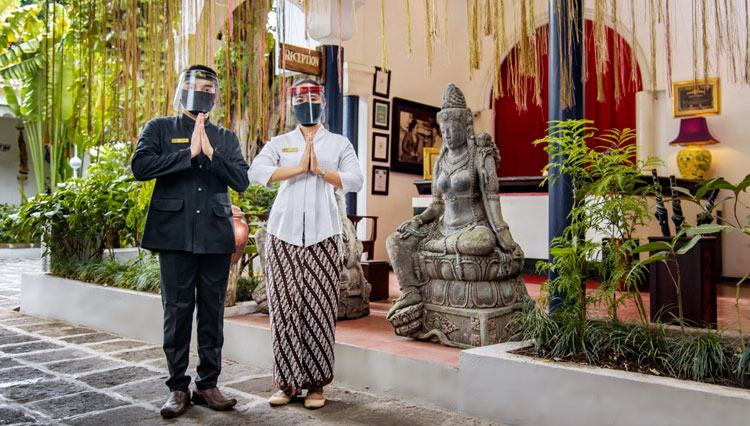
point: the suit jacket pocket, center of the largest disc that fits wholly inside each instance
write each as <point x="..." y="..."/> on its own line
<point x="167" y="204"/>
<point x="223" y="210"/>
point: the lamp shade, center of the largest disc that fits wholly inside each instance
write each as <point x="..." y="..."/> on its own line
<point x="694" y="131"/>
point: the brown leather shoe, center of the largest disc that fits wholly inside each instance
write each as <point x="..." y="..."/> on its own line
<point x="214" y="399"/>
<point x="175" y="405"/>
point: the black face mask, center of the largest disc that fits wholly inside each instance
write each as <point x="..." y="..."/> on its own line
<point x="202" y="102"/>
<point x="307" y="114"/>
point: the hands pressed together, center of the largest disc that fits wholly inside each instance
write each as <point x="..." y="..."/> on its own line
<point x="199" y="140"/>
<point x="309" y="162"/>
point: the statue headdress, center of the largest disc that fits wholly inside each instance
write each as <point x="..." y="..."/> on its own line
<point x="453" y="105"/>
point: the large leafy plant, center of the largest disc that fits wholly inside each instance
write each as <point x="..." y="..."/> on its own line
<point x="86" y="216"/>
<point x="609" y="205"/>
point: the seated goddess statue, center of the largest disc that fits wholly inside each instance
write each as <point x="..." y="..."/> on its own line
<point x="457" y="265"/>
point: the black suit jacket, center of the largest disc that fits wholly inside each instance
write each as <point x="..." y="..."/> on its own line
<point x="190" y="208"/>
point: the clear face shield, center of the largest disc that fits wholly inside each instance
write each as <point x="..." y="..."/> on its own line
<point x="306" y="102"/>
<point x="196" y="92"/>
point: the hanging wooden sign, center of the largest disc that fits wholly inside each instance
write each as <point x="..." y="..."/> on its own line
<point x="300" y="59"/>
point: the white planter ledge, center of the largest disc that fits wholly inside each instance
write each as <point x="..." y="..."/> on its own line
<point x="518" y="390"/>
<point x="128" y="313"/>
<point x="20" y="253"/>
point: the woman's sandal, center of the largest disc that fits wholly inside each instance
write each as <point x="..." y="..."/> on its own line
<point x="315" y="399"/>
<point x="280" y="398"/>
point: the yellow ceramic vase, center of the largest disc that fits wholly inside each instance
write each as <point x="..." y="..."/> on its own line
<point x="694" y="162"/>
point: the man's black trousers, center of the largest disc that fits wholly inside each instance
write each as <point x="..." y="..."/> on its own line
<point x="188" y="279"/>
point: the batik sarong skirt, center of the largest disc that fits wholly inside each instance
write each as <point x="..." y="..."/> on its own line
<point x="302" y="284"/>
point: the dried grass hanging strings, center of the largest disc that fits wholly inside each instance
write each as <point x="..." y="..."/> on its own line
<point x="408" y="28"/>
<point x="704" y="28"/>
<point x="428" y="39"/>
<point x="472" y="17"/>
<point x="383" y="53"/>
<point x="497" y="83"/>
<point x="600" y="47"/>
<point x="652" y="38"/>
<point x="616" y="54"/>
<point x="339" y="58"/>
<point x="668" y="37"/>
<point x="747" y="43"/>
<point x="633" y="62"/>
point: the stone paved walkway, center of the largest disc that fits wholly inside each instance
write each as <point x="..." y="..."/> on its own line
<point x="54" y="373"/>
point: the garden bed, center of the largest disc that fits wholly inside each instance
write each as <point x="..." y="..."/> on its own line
<point x="614" y="362"/>
<point x="503" y="386"/>
<point x="129" y="313"/>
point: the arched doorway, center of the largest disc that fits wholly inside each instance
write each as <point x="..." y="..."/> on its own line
<point x="516" y="130"/>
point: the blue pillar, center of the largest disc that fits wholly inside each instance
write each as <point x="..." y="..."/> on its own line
<point x="334" y="92"/>
<point x="351" y="131"/>
<point x="561" y="194"/>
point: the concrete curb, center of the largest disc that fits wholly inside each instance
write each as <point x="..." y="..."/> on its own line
<point x="513" y="389"/>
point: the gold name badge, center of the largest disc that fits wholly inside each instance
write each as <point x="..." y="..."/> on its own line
<point x="290" y="149"/>
<point x="181" y="140"/>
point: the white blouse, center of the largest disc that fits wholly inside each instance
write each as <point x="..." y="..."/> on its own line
<point x="307" y="195"/>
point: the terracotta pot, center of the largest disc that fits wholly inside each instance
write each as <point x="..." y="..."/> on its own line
<point x="241" y="232"/>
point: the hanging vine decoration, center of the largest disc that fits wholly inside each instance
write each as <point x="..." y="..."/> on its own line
<point x="652" y="38"/>
<point x="668" y="43"/>
<point x="497" y="84"/>
<point x="339" y="58"/>
<point x="633" y="62"/>
<point x="408" y="28"/>
<point x="616" y="54"/>
<point x="600" y="46"/>
<point x="383" y="61"/>
<point x="428" y="38"/>
<point x="747" y="43"/>
<point x="475" y="40"/>
<point x="487" y="18"/>
<point x="704" y="29"/>
<point x="445" y="30"/>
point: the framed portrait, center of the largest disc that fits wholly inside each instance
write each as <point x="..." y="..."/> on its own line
<point x="414" y="128"/>
<point x="430" y="156"/>
<point x="696" y="97"/>
<point x="380" y="180"/>
<point x="381" y="114"/>
<point x="380" y="147"/>
<point x="381" y="85"/>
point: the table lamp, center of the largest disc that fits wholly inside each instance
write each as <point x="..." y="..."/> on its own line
<point x="694" y="160"/>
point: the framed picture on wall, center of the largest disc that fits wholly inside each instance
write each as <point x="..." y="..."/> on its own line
<point x="380" y="147"/>
<point x="381" y="114"/>
<point x="696" y="97"/>
<point x="381" y="85"/>
<point x="380" y="180"/>
<point x="414" y="128"/>
<point x="430" y="157"/>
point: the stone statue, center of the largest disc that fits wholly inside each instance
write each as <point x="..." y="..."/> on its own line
<point x="354" y="293"/>
<point x="457" y="265"/>
<point x="259" y="294"/>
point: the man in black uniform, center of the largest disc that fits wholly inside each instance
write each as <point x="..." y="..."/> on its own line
<point x="190" y="225"/>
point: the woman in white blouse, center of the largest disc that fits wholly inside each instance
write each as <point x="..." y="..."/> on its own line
<point x="304" y="248"/>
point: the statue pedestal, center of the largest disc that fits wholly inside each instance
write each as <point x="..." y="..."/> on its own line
<point x="467" y="328"/>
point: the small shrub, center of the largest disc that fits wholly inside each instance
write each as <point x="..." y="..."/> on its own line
<point x="245" y="287"/>
<point x="8" y="235"/>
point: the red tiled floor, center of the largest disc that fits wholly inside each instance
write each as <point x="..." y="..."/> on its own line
<point x="375" y="333"/>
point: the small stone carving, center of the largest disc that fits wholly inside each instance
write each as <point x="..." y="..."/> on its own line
<point x="354" y="293"/>
<point x="259" y="294"/>
<point x="458" y="257"/>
